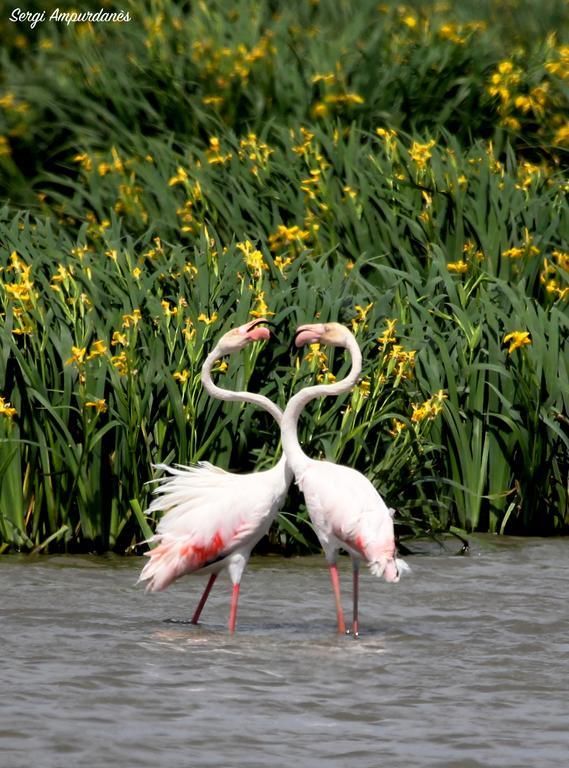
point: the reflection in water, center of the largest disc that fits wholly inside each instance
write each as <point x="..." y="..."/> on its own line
<point x="464" y="663"/>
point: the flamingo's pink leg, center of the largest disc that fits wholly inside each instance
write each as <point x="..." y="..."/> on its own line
<point x="204" y="597"/>
<point x="355" y="625"/>
<point x="233" y="611"/>
<point x="336" y="587"/>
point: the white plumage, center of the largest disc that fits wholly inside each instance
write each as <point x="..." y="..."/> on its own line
<point x="346" y="510"/>
<point x="348" y="513"/>
<point x="212" y="519"/>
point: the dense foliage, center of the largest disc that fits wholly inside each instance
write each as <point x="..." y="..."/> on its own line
<point x="400" y="168"/>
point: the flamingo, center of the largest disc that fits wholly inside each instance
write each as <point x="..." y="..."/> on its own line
<point x="346" y="510"/>
<point x="214" y="518"/>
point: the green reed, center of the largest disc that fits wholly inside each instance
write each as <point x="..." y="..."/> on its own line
<point x="204" y="165"/>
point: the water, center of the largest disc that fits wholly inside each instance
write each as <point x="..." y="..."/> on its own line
<point x="464" y="663"/>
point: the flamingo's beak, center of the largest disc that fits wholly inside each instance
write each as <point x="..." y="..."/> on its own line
<point x="308" y="334"/>
<point x="255" y="330"/>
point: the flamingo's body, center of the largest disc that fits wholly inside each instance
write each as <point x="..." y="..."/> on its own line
<point x="348" y="513"/>
<point x="346" y="510"/>
<point x="214" y="518"/>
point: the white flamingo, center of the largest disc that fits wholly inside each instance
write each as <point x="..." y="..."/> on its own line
<point x="214" y="518"/>
<point x="346" y="510"/>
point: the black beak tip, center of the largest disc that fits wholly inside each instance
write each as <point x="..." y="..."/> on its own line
<point x="262" y="321"/>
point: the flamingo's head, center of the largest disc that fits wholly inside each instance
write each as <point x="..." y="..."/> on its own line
<point x="333" y="334"/>
<point x="238" y="338"/>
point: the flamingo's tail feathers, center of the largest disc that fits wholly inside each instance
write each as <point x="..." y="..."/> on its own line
<point x="184" y="491"/>
<point x="402" y="565"/>
<point x="200" y="468"/>
<point x="377" y="567"/>
<point x="201" y="474"/>
<point x="167" y="562"/>
<point x="389" y="568"/>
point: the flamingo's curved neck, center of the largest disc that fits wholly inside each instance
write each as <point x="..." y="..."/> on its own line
<point x="242" y="396"/>
<point x="296" y="457"/>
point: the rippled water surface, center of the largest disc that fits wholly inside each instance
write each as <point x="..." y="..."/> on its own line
<point x="464" y="663"/>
